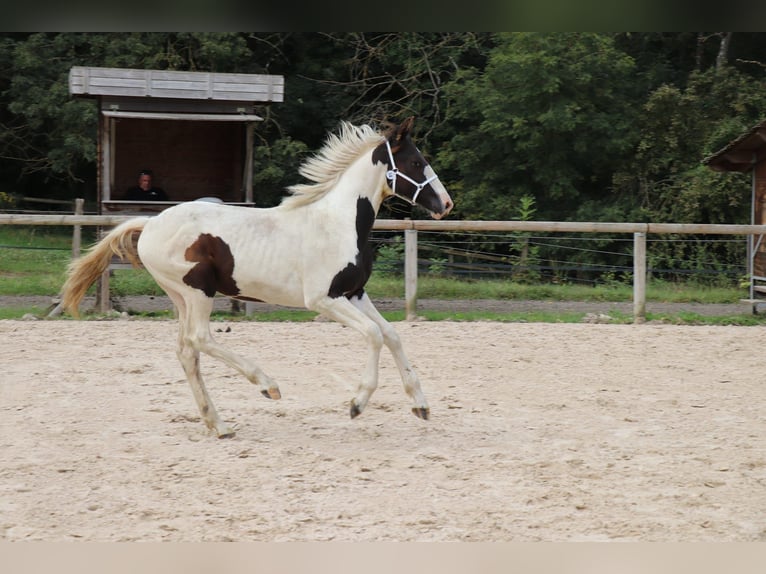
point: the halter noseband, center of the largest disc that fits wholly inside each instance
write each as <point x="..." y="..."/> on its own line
<point x="392" y="173"/>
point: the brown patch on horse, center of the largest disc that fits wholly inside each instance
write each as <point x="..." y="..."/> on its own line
<point x="214" y="268"/>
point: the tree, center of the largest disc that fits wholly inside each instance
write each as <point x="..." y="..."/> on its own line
<point x="393" y="75"/>
<point x="548" y="117"/>
<point x="277" y="167"/>
<point x="677" y="129"/>
<point x="46" y="137"/>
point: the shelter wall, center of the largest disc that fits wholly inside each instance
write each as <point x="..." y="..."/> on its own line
<point x="189" y="159"/>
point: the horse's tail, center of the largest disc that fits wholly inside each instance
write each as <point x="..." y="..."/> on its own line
<point x="84" y="271"/>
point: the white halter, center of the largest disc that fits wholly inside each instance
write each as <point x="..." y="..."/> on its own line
<point x="394" y="171"/>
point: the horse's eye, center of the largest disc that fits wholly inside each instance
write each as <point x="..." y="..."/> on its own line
<point x="418" y="163"/>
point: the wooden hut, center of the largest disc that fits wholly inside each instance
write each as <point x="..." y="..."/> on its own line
<point x="193" y="129"/>
<point x="747" y="153"/>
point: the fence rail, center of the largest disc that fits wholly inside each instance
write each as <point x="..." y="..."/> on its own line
<point x="452" y="225"/>
<point x="410" y="227"/>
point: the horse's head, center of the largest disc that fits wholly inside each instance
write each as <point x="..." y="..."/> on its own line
<point x="409" y="175"/>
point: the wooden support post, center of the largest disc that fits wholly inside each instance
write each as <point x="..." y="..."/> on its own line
<point x="247" y="176"/>
<point x="639" y="277"/>
<point x="104" y="303"/>
<point x="77" y="229"/>
<point x="411" y="273"/>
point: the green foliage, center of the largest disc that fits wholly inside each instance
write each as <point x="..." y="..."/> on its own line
<point x="277" y="166"/>
<point x="526" y="255"/>
<point x="678" y="128"/>
<point x="389" y="259"/>
<point x="548" y="115"/>
<point x="437" y="265"/>
<point x="7" y="201"/>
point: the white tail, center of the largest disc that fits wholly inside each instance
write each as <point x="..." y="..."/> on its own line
<point x="83" y="272"/>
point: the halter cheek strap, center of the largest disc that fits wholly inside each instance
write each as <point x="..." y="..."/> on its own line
<point x="394" y="172"/>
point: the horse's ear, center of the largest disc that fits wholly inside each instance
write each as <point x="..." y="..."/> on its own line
<point x="387" y="128"/>
<point x="404" y="129"/>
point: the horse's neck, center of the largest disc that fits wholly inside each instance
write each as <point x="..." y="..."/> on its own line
<point x="361" y="180"/>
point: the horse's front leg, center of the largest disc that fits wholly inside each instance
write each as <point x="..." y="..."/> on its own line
<point x="342" y="311"/>
<point x="391" y="338"/>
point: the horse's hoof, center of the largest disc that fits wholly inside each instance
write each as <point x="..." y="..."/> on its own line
<point x="421" y="412"/>
<point x="355" y="411"/>
<point x="226" y="433"/>
<point x="272" y="394"/>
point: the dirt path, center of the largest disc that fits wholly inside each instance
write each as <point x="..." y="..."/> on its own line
<point x="148" y="304"/>
<point x="539" y="432"/>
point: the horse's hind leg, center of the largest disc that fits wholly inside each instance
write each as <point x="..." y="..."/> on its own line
<point x="199" y="337"/>
<point x="188" y="356"/>
<point x="391" y="339"/>
<point x="189" y="359"/>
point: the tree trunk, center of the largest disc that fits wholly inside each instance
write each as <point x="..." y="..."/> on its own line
<point x="698" y="52"/>
<point x="723" y="51"/>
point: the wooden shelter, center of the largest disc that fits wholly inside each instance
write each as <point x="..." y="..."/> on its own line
<point x="747" y="153"/>
<point x="193" y="129"/>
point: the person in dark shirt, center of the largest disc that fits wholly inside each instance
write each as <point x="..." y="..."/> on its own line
<point x="145" y="191"/>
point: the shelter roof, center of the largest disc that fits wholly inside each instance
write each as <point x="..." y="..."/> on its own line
<point x="209" y="86"/>
<point x="742" y="153"/>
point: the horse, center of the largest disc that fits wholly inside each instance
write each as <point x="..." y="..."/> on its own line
<point x="312" y="250"/>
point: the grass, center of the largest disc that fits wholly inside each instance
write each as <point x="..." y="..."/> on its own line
<point x="33" y="261"/>
<point x="434" y="287"/>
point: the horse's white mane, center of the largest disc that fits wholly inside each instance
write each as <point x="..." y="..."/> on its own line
<point x="324" y="168"/>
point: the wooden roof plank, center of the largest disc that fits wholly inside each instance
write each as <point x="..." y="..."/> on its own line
<point x="183" y="116"/>
<point x="127" y="82"/>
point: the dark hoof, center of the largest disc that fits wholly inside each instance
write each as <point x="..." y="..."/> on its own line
<point x="225" y="432"/>
<point x="354" y="411"/>
<point x="422" y="413"/>
<point x="272" y="394"/>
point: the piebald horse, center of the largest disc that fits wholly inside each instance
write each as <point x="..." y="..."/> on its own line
<point x="310" y="251"/>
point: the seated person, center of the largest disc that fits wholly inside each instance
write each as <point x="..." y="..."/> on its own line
<point x="145" y="191"/>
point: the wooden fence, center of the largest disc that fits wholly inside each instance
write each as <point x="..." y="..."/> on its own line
<point x="410" y="227"/>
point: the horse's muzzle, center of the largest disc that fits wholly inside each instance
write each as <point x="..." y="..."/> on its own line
<point x="444" y="199"/>
<point x="448" y="205"/>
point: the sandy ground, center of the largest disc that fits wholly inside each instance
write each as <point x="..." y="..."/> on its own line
<point x="546" y="432"/>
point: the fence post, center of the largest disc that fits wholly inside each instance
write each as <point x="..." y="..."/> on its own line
<point x="639" y="277"/>
<point x="103" y="302"/>
<point x="411" y="273"/>
<point x="77" y="229"/>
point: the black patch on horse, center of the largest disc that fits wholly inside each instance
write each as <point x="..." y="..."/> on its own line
<point x="380" y="155"/>
<point x="350" y="281"/>
<point x="214" y="268"/>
